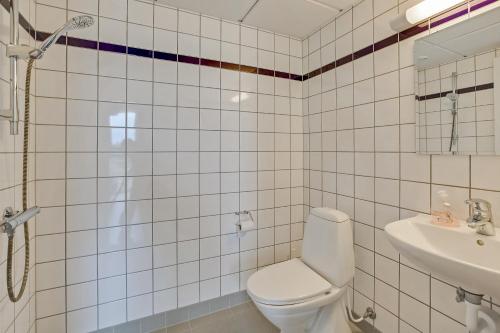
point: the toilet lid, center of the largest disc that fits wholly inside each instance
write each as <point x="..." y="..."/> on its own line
<point x="289" y="282"/>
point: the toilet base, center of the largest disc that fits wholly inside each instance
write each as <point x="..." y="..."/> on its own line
<point x="330" y="318"/>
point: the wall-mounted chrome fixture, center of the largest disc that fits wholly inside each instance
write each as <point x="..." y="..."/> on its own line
<point x="16" y="51"/>
<point x="28" y="52"/>
<point x="245" y="222"/>
<point x="12" y="113"/>
<point x="480" y="217"/>
<point x="453" y="97"/>
<point x="11" y="220"/>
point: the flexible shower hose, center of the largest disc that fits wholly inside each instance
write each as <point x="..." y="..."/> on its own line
<point x="10" y="246"/>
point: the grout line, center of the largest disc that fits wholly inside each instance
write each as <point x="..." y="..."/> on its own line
<point x="97" y="177"/>
<point x="154" y="178"/>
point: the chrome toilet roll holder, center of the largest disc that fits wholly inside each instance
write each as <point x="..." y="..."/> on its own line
<point x="238" y="222"/>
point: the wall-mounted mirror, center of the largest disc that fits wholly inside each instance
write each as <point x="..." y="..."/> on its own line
<point x="455" y="88"/>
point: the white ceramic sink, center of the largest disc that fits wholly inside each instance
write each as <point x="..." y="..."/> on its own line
<point x="454" y="253"/>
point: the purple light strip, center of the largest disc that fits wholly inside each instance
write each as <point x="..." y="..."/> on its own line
<point x="482" y="4"/>
<point x="455" y="14"/>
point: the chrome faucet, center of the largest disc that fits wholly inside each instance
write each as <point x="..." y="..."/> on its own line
<point x="480" y="217"/>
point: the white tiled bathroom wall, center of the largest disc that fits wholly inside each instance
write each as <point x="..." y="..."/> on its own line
<point x="142" y="163"/>
<point x="360" y="143"/>
<point x="18" y="317"/>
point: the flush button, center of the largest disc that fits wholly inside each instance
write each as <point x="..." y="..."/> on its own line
<point x="480" y="242"/>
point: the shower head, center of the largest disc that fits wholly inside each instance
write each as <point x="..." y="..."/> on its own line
<point x="76" y="23"/>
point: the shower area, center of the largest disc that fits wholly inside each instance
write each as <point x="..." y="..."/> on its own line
<point x="139" y="136"/>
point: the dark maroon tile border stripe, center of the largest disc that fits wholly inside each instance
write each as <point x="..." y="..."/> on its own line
<point x="234" y="67"/>
<point x="363" y="52"/>
<point x="263" y="71"/>
<point x="465" y="90"/>
<point x="386" y="42"/>
<point x="344" y="60"/>
<point x="282" y="75"/>
<point x="85" y="43"/>
<point x="140" y="52"/>
<point x="413" y="31"/>
<point x="188" y="59"/>
<point x="391" y="40"/>
<point x="314" y="73"/>
<point x="328" y="67"/>
<point x="165" y="56"/>
<point x="210" y="63"/>
<point x="112" y="48"/>
<point x="485" y="86"/>
<point x="248" y="69"/>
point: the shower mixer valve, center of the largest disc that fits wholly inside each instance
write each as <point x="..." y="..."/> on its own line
<point x="11" y="220"/>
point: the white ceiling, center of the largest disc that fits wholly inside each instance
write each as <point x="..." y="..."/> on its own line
<point x="227" y="9"/>
<point x="297" y="18"/>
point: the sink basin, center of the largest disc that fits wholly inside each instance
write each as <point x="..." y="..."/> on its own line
<point x="456" y="253"/>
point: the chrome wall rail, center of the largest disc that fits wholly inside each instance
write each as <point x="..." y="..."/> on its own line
<point x="14" y="40"/>
<point x="453" y="97"/>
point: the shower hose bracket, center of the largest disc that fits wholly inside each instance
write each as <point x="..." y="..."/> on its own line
<point x="22" y="51"/>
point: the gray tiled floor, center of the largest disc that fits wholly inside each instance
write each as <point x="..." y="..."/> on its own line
<point x="244" y="318"/>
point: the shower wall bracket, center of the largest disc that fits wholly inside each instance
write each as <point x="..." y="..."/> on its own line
<point x="21" y="51"/>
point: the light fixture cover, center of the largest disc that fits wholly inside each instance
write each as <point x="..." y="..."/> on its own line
<point x="421" y="12"/>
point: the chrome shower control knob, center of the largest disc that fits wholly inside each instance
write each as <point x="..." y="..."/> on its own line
<point x="8" y="212"/>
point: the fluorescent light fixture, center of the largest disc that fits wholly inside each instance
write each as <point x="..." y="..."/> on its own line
<point x="421" y="12"/>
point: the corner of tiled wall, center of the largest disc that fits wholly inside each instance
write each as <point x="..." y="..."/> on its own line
<point x="360" y="156"/>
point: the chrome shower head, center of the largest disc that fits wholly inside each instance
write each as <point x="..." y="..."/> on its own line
<point x="76" y="23"/>
<point x="80" y="22"/>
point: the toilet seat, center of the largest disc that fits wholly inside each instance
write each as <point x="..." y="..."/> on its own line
<point x="287" y="283"/>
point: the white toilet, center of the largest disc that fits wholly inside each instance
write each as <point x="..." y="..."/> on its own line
<point x="307" y="295"/>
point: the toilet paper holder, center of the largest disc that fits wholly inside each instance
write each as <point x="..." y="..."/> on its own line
<point x="238" y="224"/>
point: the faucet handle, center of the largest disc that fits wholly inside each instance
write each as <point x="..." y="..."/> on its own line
<point x="480" y="210"/>
<point x="477" y="203"/>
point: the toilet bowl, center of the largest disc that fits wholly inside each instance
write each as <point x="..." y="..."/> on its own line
<point x="308" y="294"/>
